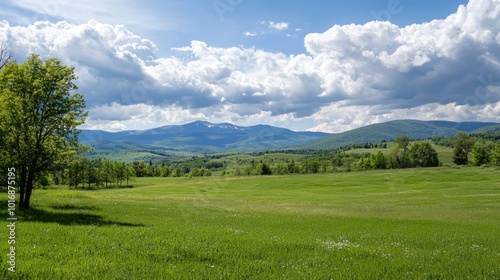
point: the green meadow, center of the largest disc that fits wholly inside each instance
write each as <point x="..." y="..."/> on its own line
<point x="439" y="223"/>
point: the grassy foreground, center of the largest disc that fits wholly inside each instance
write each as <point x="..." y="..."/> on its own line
<point x="397" y="224"/>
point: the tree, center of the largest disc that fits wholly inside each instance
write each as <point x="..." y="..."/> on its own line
<point x="164" y="170"/>
<point x="401" y="151"/>
<point x="378" y="161"/>
<point x="108" y="174"/>
<point x="290" y="167"/>
<point x="140" y="168"/>
<point x="347" y="163"/>
<point x="462" y="146"/>
<point x="424" y="155"/>
<point x="278" y="168"/>
<point x="480" y="155"/>
<point x="365" y="163"/>
<point x="263" y="169"/>
<point x="310" y="166"/>
<point x="39" y="113"/>
<point x="177" y="172"/>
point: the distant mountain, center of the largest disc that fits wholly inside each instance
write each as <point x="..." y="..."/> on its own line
<point x="390" y="130"/>
<point x="197" y="137"/>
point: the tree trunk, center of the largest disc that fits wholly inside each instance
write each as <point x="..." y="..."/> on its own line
<point x="24" y="203"/>
<point x="29" y="190"/>
<point x="29" y="181"/>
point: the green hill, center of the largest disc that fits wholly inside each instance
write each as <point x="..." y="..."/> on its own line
<point x="489" y="128"/>
<point x="390" y="130"/>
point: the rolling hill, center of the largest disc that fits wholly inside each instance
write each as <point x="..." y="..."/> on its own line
<point x="390" y="130"/>
<point x="486" y="129"/>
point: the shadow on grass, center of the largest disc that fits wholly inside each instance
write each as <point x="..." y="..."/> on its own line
<point x="70" y="218"/>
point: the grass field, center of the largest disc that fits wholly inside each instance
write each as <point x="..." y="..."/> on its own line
<point x="439" y="223"/>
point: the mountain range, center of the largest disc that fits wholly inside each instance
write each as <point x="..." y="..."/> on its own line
<point x="201" y="137"/>
<point x="206" y="137"/>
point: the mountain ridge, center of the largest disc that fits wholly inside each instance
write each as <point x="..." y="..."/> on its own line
<point x="207" y="137"/>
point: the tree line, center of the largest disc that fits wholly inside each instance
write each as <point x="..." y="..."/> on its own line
<point x="476" y="150"/>
<point x="84" y="173"/>
<point x="103" y="173"/>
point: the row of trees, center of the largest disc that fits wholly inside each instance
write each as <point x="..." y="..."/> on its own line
<point x="84" y="173"/>
<point x="471" y="150"/>
<point x="404" y="155"/>
<point x="175" y="169"/>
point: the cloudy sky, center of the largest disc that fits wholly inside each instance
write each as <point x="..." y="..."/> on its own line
<point x="319" y="65"/>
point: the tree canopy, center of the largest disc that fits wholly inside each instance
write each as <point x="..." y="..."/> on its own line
<point x="462" y="146"/>
<point x="424" y="155"/>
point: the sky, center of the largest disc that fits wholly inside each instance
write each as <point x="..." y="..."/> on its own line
<point x="319" y="65"/>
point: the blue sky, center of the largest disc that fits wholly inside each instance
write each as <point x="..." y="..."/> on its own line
<point x="223" y="23"/>
<point x="305" y="65"/>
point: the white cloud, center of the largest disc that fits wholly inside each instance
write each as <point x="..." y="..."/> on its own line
<point x="337" y="118"/>
<point x="250" y="34"/>
<point x="351" y="75"/>
<point x="108" y="59"/>
<point x="279" y="26"/>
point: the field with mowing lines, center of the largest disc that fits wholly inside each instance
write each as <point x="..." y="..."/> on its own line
<point x="441" y="223"/>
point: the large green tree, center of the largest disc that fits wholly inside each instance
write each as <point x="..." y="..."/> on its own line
<point x="481" y="154"/>
<point x="39" y="114"/>
<point x="424" y="155"/>
<point x="462" y="146"/>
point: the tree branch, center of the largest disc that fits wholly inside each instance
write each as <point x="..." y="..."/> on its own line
<point x="5" y="54"/>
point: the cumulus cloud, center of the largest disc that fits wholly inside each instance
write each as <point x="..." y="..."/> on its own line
<point x="108" y="59"/>
<point x="337" y="117"/>
<point x="351" y="75"/>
